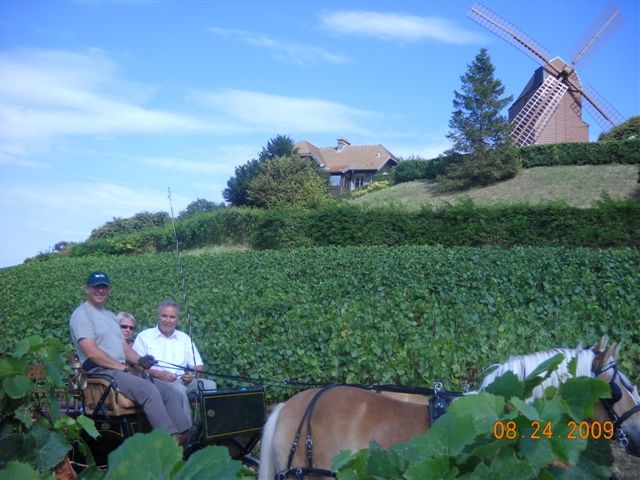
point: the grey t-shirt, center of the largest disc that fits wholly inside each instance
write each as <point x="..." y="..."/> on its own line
<point x="88" y="321"/>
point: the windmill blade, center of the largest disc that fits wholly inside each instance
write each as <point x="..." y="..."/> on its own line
<point x="605" y="24"/>
<point x="509" y="32"/>
<point x="534" y="116"/>
<point x="599" y="109"/>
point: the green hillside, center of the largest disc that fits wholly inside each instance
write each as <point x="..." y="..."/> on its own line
<point x="579" y="186"/>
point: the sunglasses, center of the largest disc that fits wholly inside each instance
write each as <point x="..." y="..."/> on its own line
<point x="127" y="327"/>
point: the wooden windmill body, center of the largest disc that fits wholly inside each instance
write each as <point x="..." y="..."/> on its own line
<point x="549" y="109"/>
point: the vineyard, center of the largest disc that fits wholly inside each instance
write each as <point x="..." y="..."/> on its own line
<point x="410" y="314"/>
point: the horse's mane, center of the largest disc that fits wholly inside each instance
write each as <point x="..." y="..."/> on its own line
<point x="523" y="365"/>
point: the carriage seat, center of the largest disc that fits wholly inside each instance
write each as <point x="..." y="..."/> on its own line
<point x="101" y="397"/>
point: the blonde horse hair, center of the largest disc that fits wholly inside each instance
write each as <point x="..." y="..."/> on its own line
<point x="523" y="365"/>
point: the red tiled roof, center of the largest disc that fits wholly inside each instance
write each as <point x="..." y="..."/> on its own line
<point x="345" y="156"/>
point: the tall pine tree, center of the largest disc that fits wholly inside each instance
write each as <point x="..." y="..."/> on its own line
<point x="479" y="134"/>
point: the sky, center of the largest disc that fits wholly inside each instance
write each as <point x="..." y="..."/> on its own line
<point x="107" y="106"/>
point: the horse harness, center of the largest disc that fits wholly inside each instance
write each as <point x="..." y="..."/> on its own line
<point x="437" y="407"/>
<point x="616" y="395"/>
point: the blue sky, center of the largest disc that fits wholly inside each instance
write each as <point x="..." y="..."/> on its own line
<point x="105" y="105"/>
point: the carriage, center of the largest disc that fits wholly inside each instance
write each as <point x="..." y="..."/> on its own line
<point x="229" y="417"/>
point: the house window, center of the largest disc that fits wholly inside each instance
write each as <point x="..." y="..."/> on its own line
<point x="334" y="180"/>
<point x="358" y="182"/>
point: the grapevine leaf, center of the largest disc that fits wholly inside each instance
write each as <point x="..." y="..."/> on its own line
<point x="541" y="373"/>
<point x="133" y="460"/>
<point x="10" y="367"/>
<point x="17" y="386"/>
<point x="581" y="394"/>
<point x="506" y="385"/>
<point x="19" y="470"/>
<point x="433" y="468"/>
<point x="211" y="459"/>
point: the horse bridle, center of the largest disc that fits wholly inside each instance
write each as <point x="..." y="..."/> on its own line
<point x="616" y="395"/>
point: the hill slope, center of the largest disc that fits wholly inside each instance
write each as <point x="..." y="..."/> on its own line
<point x="580" y="186"/>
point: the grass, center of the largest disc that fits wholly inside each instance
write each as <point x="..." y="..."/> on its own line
<point x="579" y="186"/>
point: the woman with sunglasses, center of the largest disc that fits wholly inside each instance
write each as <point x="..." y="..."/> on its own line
<point x="128" y="325"/>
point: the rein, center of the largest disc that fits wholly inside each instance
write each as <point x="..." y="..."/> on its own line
<point x="616" y="395"/>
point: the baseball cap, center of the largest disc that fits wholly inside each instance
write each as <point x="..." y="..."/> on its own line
<point x="98" y="278"/>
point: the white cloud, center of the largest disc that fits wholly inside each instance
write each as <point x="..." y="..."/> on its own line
<point x="269" y="113"/>
<point x="298" y="53"/>
<point x="395" y="26"/>
<point x="48" y="94"/>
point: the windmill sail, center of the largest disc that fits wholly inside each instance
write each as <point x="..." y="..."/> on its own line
<point x="534" y="116"/>
<point x="509" y="32"/>
<point x="605" y="25"/>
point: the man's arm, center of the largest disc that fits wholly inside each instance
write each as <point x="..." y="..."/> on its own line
<point x="130" y="354"/>
<point x="97" y="355"/>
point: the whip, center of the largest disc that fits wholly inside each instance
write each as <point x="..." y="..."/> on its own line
<point x="183" y="285"/>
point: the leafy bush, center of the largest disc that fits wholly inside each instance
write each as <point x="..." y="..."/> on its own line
<point x="616" y="151"/>
<point x="419" y="169"/>
<point x="140" y="221"/>
<point x="34" y="430"/>
<point x="609" y="224"/>
<point x="625" y="152"/>
<point x="628" y="130"/>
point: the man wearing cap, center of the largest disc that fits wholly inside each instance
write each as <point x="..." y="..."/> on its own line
<point x="102" y="349"/>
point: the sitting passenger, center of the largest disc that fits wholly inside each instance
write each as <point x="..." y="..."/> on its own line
<point x="128" y="325"/>
<point x="100" y="346"/>
<point x="176" y="353"/>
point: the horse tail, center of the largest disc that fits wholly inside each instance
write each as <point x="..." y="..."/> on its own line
<point x="267" y="469"/>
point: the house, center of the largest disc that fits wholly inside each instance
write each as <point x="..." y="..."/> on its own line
<point x="349" y="166"/>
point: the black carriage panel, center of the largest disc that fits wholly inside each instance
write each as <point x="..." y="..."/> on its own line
<point x="231" y="413"/>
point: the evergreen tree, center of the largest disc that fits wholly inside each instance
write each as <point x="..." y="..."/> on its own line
<point x="476" y="124"/>
<point x="482" y="148"/>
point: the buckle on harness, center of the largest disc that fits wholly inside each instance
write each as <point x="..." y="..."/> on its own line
<point x="437" y="404"/>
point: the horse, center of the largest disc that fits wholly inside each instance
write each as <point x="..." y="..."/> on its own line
<point x="339" y="417"/>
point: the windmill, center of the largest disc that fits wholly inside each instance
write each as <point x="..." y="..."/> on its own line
<point x="549" y="109"/>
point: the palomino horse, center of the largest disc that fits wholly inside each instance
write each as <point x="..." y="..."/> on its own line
<point x="327" y="420"/>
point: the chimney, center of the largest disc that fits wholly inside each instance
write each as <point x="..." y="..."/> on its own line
<point x="342" y="142"/>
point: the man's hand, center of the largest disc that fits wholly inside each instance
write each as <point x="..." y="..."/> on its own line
<point x="187" y="377"/>
<point x="147" y="362"/>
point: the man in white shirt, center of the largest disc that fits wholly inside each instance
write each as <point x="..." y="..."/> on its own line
<point x="176" y="354"/>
